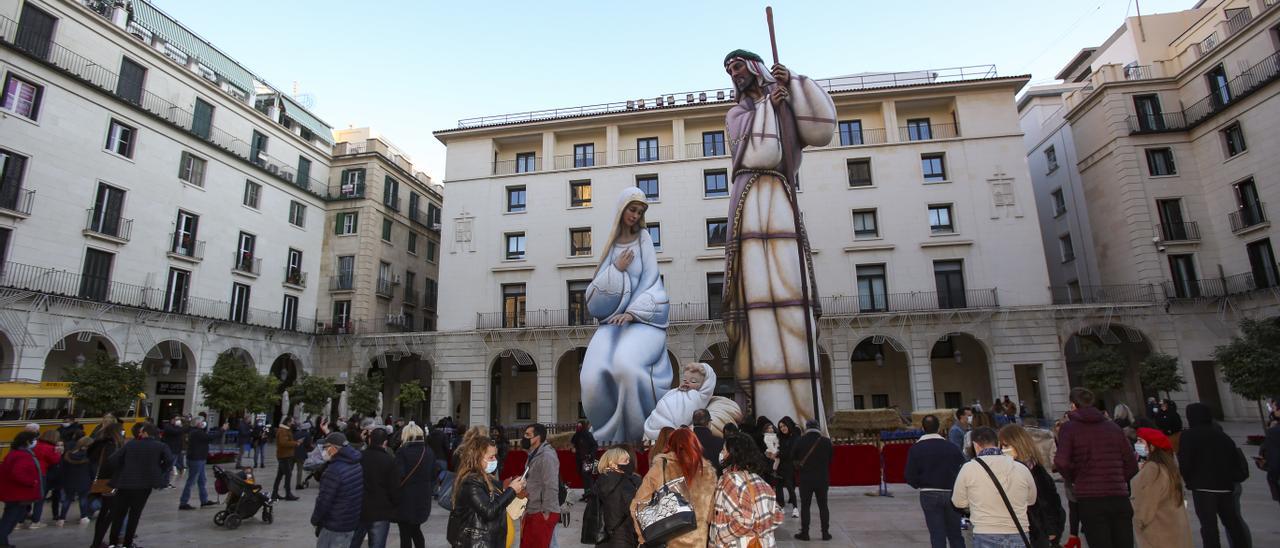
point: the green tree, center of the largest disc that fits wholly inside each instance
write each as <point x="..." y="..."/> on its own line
<point x="1251" y="361"/>
<point x="313" y="392"/>
<point x="1159" y="373"/>
<point x="1105" y="370"/>
<point x="362" y="394"/>
<point x="104" y="385"/>
<point x="411" y="397"/>
<point x="233" y="386"/>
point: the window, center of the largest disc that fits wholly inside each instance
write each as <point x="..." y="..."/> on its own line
<point x="414" y="201"/>
<point x="515" y="199"/>
<point x="1065" y="249"/>
<point x="4" y="244"/>
<point x="293" y="267"/>
<point x="191" y="168"/>
<point x="940" y="219"/>
<point x="297" y="214"/>
<point x="239" y="302"/>
<point x="244" y="253"/>
<point x="1218" y="88"/>
<point x="655" y="234"/>
<point x="578" y="314"/>
<point x="934" y="167"/>
<point x="21" y="96"/>
<point x="95" y="278"/>
<point x="1233" y="139"/>
<point x="12" y="167"/>
<point x="879" y="401"/>
<point x="948" y="276"/>
<point x="1160" y="162"/>
<point x="1262" y="262"/>
<point x="1172" y="228"/>
<point x="346" y="272"/>
<point x="524" y="411"/>
<point x="859" y="171"/>
<point x="129" y="85"/>
<point x="184" y="233"/>
<point x="202" y="121"/>
<point x="120" y="138"/>
<point x="579" y="193"/>
<point x="716" y="232"/>
<point x="515" y="245"/>
<point x="431" y="251"/>
<point x="647" y="149"/>
<point x="347" y="223"/>
<point x="35" y="31"/>
<point x="1059" y="202"/>
<point x="580" y="242"/>
<point x="386" y="230"/>
<point x="252" y="194"/>
<point x="872" y="293"/>
<point x="384" y="280"/>
<point x="850" y="132"/>
<point x="352" y="183"/>
<point x="715" y="183"/>
<point x="715" y="294"/>
<point x="433" y="216"/>
<point x="859" y="402"/>
<point x="430" y="294"/>
<point x="712" y="143"/>
<point x="526" y="162"/>
<point x="1051" y="159"/>
<point x="513" y="299"/>
<point x="1186" y="284"/>
<point x="1250" y="211"/>
<point x="1150" y="118"/>
<point x="289" y="313"/>
<point x="865" y="224"/>
<point x="342" y="316"/>
<point x="391" y="193"/>
<point x="584" y="155"/>
<point x="918" y="129"/>
<point x="108" y="203"/>
<point x="649" y="185"/>
<point x="176" y="290"/>
<point x="257" y="147"/>
<point x="411" y="243"/>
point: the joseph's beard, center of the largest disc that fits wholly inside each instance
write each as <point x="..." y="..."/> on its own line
<point x="745" y="86"/>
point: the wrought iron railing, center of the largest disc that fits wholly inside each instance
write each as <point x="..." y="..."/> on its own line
<point x="112" y="226"/>
<point x="642" y="155"/>
<point x="1238" y="20"/>
<point x="523" y="165"/>
<point x="705" y="150"/>
<point x="1155" y="123"/>
<point x="1137" y="72"/>
<point x="19" y="202"/>
<point x="928" y="132"/>
<point x="342" y="282"/>
<point x="867" y="136"/>
<point x="1187" y="231"/>
<point x="344" y="191"/>
<point x="1096" y="294"/>
<point x="383" y="288"/>
<point x="572" y="161"/>
<point x="1249" y="215"/>
<point x="246" y="263"/>
<point x="184" y="246"/>
<point x="1244" y="84"/>
<point x="295" y="276"/>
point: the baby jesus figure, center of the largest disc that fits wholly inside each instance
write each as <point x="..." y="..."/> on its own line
<point x="696" y="391"/>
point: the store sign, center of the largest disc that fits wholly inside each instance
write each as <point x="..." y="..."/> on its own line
<point x="171" y="388"/>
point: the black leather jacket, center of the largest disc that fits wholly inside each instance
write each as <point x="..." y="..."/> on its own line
<point x="478" y="519"/>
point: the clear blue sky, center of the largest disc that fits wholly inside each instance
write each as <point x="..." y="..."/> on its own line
<point x="407" y="68"/>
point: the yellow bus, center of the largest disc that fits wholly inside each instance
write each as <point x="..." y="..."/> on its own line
<point x="48" y="404"/>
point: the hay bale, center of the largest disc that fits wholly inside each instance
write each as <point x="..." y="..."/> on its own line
<point x="862" y="421"/>
<point x="946" y="417"/>
<point x="560" y="441"/>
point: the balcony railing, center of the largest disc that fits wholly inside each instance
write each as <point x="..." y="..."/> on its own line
<point x="383" y="288"/>
<point x="1180" y="232"/>
<point x="507" y="167"/>
<point x="1237" y="88"/>
<point x="572" y="161"/>
<point x="1238" y="20"/>
<point x="1155" y="123"/>
<point x="184" y="246"/>
<point x="867" y="136"/>
<point x="1137" y="72"/>
<point x="344" y="191"/>
<point x="96" y="75"/>
<point x="929" y="132"/>
<point x="1220" y="287"/>
<point x="18" y="202"/>
<point x="642" y="155"/>
<point x="1096" y="294"/>
<point x="246" y="263"/>
<point x="295" y="276"/>
<point x="342" y="282"/>
<point x="1248" y="216"/>
<point x="410" y="297"/>
<point x="705" y="150"/>
<point x="113" y="227"/>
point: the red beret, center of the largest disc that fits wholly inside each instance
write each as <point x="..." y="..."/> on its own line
<point x="1155" y="438"/>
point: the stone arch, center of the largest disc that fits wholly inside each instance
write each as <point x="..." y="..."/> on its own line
<point x="75" y="349"/>
<point x="171" y="369"/>
<point x="513" y="388"/>
<point x="960" y="364"/>
<point x="241" y="354"/>
<point x="568" y="368"/>
<point x="402" y="369"/>
<point x="8" y="357"/>
<point x="1131" y="343"/>
<point x="880" y="374"/>
<point x="286" y="368"/>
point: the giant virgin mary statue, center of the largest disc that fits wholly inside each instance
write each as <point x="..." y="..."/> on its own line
<point x="626" y="369"/>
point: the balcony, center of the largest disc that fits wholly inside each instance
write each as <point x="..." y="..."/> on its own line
<point x="870" y="136"/>
<point x="346" y="191"/>
<point x="343" y="282"/>
<point x="383" y="288"/>
<point x="245" y="264"/>
<point x="1137" y="72"/>
<point x="340" y="327"/>
<point x="642" y="155"/>
<point x="574" y="161"/>
<point x="98" y="224"/>
<point x="17" y="204"/>
<point x="705" y="150"/>
<point x="1244" y="84"/>
<point x="392" y="203"/>
<point x="1157" y="123"/>
<point x="508" y="167"/>
<point x="1235" y="284"/>
<point x="183" y="248"/>
<point x="294" y="276"/>
<point x="1180" y="232"/>
<point x="531" y="318"/>
<point x="928" y="133"/>
<point x="1106" y="294"/>
<point x="1238" y="21"/>
<point x="1247" y="217"/>
<point x="410" y="297"/>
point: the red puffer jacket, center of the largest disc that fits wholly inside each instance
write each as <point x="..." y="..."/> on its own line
<point x="48" y="455"/>
<point x="20" y="477"/>
<point x="1094" y="455"/>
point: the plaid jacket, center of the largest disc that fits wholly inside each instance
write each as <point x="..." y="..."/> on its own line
<point x="745" y="507"/>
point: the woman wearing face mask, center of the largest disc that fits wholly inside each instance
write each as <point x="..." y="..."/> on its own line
<point x="1159" y="510"/>
<point x="616" y="487"/>
<point x="19" y="482"/>
<point x="1046" y="516"/>
<point x="479" y="517"/>
<point x="745" y="505"/>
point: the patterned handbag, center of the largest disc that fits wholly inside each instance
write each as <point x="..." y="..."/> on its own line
<point x="668" y="514"/>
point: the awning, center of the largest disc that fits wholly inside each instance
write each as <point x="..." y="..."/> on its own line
<point x="317" y="126"/>
<point x="154" y="20"/>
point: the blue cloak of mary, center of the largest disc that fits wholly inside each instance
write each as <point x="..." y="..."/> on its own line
<point x="626" y="369"/>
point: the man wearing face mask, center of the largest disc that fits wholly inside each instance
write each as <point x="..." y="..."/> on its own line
<point x="1097" y="459"/>
<point x="543" y="478"/>
<point x="976" y="489"/>
<point x="337" y="511"/>
<point x="70" y="432"/>
<point x="964" y="421"/>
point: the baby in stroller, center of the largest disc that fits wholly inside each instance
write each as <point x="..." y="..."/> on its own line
<point x="244" y="498"/>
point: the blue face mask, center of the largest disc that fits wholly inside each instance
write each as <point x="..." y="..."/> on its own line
<point x="491" y="467"/>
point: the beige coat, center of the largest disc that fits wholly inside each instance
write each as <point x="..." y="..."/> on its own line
<point x="701" y="496"/>
<point x="1159" y="520"/>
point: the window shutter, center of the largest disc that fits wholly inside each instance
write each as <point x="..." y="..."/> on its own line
<point x="337" y="225"/>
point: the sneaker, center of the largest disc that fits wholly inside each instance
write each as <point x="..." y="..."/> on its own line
<point x="291" y="497"/>
<point x="59" y="522"/>
<point x="36" y="525"/>
<point x="795" y="512"/>
<point x="207" y="503"/>
<point x="24" y="525"/>
<point x="185" y="506"/>
<point x="84" y="521"/>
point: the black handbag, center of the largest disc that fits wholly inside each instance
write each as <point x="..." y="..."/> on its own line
<point x="594" y="529"/>
<point x="668" y="514"/>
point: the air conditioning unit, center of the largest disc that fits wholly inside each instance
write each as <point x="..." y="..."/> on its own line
<point x="274" y="169"/>
<point x="395" y="319"/>
<point x="235" y="92"/>
<point x="206" y="73"/>
<point x="435" y="227"/>
<point x="288" y="176"/>
<point x="395" y="280"/>
<point x="138" y="32"/>
<point x="174" y="53"/>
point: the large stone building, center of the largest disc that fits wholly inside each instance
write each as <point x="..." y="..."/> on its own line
<point x="1152" y="166"/>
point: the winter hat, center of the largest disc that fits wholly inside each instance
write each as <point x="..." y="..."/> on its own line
<point x="1155" y="438"/>
<point x="336" y="438"/>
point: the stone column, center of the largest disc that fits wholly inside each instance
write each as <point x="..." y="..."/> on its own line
<point x="889" y="110"/>
<point x="677" y="139"/>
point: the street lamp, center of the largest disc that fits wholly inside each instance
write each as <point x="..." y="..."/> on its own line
<point x="79" y="360"/>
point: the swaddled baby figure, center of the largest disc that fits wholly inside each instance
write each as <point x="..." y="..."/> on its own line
<point x="675" y="409"/>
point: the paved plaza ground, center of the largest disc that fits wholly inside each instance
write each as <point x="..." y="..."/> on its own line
<point x="858" y="520"/>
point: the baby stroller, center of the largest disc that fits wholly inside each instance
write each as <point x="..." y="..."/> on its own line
<point x="244" y="499"/>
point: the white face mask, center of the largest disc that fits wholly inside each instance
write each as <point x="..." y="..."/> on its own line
<point x="491" y="467"/>
<point x="327" y="456"/>
<point x="31" y="445"/>
<point x="1141" y="449"/>
<point x="724" y="456"/>
<point x="1010" y="452"/>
